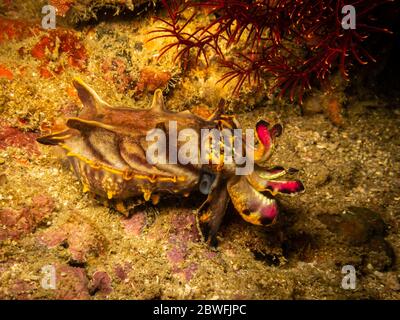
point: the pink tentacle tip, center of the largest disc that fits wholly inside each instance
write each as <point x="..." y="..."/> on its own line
<point x="287" y="187"/>
<point x="263" y="133"/>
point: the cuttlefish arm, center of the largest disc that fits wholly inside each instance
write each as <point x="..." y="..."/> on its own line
<point x="266" y="180"/>
<point x="266" y="137"/>
<point x="253" y="195"/>
<point x="253" y="206"/>
<point x="212" y="211"/>
<point x="211" y="218"/>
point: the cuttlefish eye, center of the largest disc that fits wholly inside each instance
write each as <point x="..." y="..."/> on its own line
<point x="206" y="182"/>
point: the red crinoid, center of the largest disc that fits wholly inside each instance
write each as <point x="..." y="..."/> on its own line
<point x="293" y="41"/>
<point x="185" y="41"/>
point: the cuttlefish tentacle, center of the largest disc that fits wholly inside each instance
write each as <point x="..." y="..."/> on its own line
<point x="212" y="211"/>
<point x="253" y="206"/>
<point x="274" y="172"/>
<point x="211" y="219"/>
<point x="265" y="180"/>
<point x="266" y="138"/>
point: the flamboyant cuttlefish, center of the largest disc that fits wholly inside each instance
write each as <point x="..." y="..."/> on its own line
<point x="107" y="146"/>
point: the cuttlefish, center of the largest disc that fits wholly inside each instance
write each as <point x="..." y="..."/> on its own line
<point x="107" y="148"/>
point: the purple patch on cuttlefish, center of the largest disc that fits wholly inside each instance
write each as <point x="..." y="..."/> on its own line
<point x="269" y="213"/>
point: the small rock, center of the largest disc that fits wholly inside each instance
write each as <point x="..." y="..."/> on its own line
<point x="380" y="254"/>
<point x="100" y="283"/>
<point x="138" y="46"/>
<point x="190" y="271"/>
<point x="16" y="224"/>
<point x="348" y="174"/>
<point x="62" y="6"/>
<point x="14" y="137"/>
<point x="41" y="206"/>
<point x="176" y="255"/>
<point x="22" y="289"/>
<point x="3" y="179"/>
<point x="392" y="282"/>
<point x="135" y="224"/>
<point x="80" y="237"/>
<point x="183" y="231"/>
<point x="356" y="226"/>
<point x="72" y="283"/>
<point x="121" y="271"/>
<point x="183" y="228"/>
<point x="365" y="230"/>
<point x="312" y="105"/>
<point x="321" y="176"/>
<point x="150" y="80"/>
